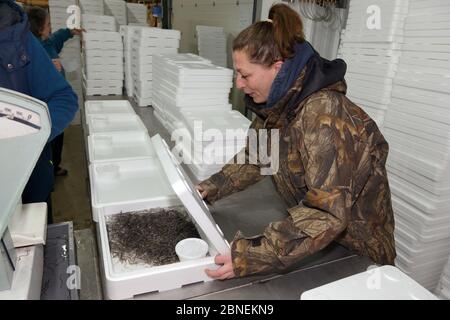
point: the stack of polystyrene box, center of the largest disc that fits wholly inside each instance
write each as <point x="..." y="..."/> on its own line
<point x="212" y="44"/>
<point x="59" y="14"/>
<point x="137" y="13"/>
<point x="117" y="9"/>
<point x="103" y="63"/>
<point x="191" y="101"/>
<point x="127" y="33"/>
<point x="92" y="7"/>
<point x="443" y="288"/>
<point x="71" y="53"/>
<point x="417" y="127"/>
<point x="145" y="43"/>
<point x="371" y="51"/>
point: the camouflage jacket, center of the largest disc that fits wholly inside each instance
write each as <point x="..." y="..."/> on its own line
<point x="331" y="174"/>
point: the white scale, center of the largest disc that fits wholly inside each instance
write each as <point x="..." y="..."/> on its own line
<point x="24" y="130"/>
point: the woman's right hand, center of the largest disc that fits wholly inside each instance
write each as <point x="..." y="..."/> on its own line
<point x="203" y="192"/>
<point x="57" y="64"/>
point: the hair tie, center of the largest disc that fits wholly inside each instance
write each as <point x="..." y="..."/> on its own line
<point x="269" y="20"/>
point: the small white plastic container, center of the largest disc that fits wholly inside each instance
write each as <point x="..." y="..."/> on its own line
<point x="191" y="249"/>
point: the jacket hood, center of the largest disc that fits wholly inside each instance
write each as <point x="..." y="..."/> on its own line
<point x="319" y="73"/>
<point x="10" y="14"/>
<point x="14" y="30"/>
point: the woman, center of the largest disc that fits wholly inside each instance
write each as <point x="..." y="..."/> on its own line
<point x="332" y="155"/>
<point x="53" y="43"/>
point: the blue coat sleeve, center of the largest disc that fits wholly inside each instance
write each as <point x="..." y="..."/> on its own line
<point x="48" y="85"/>
<point x="59" y="37"/>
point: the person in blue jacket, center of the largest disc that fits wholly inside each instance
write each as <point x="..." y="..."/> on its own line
<point x="53" y="43"/>
<point x="25" y="67"/>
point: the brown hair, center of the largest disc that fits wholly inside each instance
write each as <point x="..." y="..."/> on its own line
<point x="266" y="42"/>
<point x="37" y="17"/>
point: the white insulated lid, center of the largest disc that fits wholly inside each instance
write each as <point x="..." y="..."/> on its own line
<point x="189" y="196"/>
<point x="222" y="120"/>
<point x="381" y="283"/>
<point x="108" y="106"/>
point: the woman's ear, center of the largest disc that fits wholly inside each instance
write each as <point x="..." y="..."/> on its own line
<point x="277" y="65"/>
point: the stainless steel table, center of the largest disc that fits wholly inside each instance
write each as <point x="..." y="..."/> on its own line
<point x="250" y="211"/>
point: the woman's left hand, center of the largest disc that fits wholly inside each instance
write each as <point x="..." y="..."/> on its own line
<point x="225" y="271"/>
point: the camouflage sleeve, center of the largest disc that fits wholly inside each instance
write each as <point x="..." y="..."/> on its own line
<point x="233" y="177"/>
<point x="326" y="145"/>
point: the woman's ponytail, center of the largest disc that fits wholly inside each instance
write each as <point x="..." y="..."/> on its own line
<point x="274" y="39"/>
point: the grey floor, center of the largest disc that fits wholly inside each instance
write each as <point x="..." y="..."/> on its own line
<point x="71" y="203"/>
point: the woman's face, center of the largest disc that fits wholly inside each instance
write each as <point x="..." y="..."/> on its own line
<point x="254" y="79"/>
<point x="47" y="29"/>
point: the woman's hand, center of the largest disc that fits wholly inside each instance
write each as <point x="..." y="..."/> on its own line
<point x="225" y="271"/>
<point x="203" y="192"/>
<point x="57" y="64"/>
<point x="77" y="32"/>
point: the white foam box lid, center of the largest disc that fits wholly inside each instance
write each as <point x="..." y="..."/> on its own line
<point x="390" y="282"/>
<point x="98" y="53"/>
<point x="431" y="267"/>
<point x="114" y="122"/>
<point x="102" y="36"/>
<point x="416" y="177"/>
<point x="93" y="71"/>
<point x="203" y="160"/>
<point x="102" y="91"/>
<point x="142" y="102"/>
<point x="416" y="241"/>
<point x="94" y="18"/>
<point x="218" y="120"/>
<point x="197" y="69"/>
<point x="104" y="147"/>
<point x="434" y="207"/>
<point x="107" y="106"/>
<point x="173" y="83"/>
<point x="424" y="255"/>
<point x="150" y="32"/>
<point x="97" y="45"/>
<point x="420" y="147"/>
<point x="104" y="79"/>
<point x="210" y="92"/>
<point x="189" y="196"/>
<point x="416" y="126"/>
<point x="192" y="102"/>
<point x="156" y="42"/>
<point x="195" y="97"/>
<point x="181" y="58"/>
<point x="416" y="217"/>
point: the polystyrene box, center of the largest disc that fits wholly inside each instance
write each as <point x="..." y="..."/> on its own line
<point x="383" y="283"/>
<point x="232" y="122"/>
<point x="128" y="185"/>
<point x="114" y="122"/>
<point x="92" y="22"/>
<point x="150" y="32"/>
<point x="107" y="106"/>
<point x="123" y="280"/>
